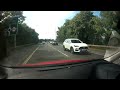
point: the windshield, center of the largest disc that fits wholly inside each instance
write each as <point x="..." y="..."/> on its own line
<point x="75" y="41"/>
<point x="27" y="37"/>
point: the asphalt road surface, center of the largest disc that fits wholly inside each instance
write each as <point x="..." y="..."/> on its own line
<point x="47" y="52"/>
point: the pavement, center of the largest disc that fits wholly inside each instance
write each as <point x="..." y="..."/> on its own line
<point x="47" y="52"/>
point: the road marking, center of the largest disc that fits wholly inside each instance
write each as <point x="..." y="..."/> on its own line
<point x="26" y="61"/>
<point x="59" y="51"/>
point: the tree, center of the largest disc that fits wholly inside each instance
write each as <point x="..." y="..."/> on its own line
<point x="98" y="31"/>
<point x="25" y="33"/>
<point x="79" y="27"/>
<point x="83" y="27"/>
<point x="110" y="20"/>
<point x="89" y="28"/>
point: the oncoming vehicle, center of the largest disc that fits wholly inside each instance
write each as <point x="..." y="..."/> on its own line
<point x="75" y="45"/>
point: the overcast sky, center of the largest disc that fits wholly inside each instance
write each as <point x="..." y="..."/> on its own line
<point x="46" y="23"/>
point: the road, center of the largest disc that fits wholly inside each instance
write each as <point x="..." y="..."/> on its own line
<point x="47" y="52"/>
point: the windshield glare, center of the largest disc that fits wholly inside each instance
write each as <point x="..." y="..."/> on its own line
<point x="31" y="37"/>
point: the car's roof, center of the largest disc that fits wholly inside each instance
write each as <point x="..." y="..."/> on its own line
<point x="72" y="39"/>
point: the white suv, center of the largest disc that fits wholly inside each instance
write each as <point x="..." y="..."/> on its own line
<point x="74" y="45"/>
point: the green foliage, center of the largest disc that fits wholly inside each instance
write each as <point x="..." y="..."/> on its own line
<point x="89" y="28"/>
<point x="25" y="35"/>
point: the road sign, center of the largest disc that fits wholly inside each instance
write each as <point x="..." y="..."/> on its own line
<point x="14" y="29"/>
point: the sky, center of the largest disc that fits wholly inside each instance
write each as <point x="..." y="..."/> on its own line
<point x="46" y="23"/>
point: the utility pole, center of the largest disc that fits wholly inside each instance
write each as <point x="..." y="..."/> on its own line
<point x="15" y="30"/>
<point x="15" y="41"/>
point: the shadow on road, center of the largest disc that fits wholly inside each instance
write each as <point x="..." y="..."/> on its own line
<point x="83" y="53"/>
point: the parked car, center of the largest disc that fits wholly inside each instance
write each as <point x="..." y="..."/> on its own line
<point x="75" y="45"/>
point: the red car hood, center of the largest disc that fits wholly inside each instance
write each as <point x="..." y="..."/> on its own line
<point x="55" y="62"/>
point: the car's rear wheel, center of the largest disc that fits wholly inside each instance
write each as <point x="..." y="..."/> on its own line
<point x="64" y="48"/>
<point x="80" y="51"/>
<point x="71" y="50"/>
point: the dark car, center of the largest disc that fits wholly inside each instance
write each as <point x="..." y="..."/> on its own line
<point x="55" y="43"/>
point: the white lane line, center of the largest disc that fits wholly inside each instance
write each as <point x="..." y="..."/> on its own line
<point x="59" y="51"/>
<point x="30" y="55"/>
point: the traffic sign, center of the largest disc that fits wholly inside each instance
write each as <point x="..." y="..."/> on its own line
<point x="14" y="29"/>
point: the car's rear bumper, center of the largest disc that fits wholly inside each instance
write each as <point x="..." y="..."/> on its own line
<point x="77" y="49"/>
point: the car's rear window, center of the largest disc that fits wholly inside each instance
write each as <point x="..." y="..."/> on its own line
<point x="75" y="41"/>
